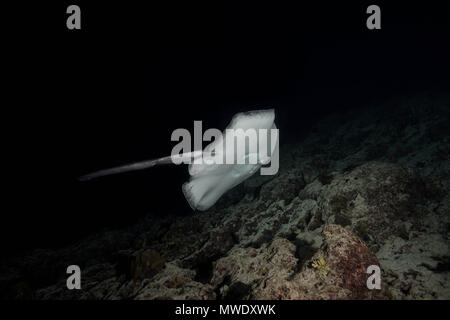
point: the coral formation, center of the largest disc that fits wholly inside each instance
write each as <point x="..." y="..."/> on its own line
<point x="366" y="189"/>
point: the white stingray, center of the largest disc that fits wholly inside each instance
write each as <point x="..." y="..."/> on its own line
<point x="209" y="180"/>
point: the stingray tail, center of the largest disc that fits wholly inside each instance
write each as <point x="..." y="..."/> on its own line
<point x="126" y="168"/>
<point x="142" y="165"/>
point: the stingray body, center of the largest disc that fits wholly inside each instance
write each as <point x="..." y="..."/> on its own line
<point x="210" y="180"/>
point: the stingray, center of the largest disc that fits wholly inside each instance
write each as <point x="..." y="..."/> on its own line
<point x="210" y="179"/>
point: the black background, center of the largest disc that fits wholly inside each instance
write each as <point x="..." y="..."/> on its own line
<point x="111" y="93"/>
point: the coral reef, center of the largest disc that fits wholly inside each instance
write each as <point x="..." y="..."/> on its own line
<point x="336" y="271"/>
<point x="364" y="188"/>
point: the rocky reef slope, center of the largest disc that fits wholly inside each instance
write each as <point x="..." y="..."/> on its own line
<point x="364" y="188"/>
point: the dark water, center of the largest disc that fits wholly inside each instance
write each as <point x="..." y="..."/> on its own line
<point x="115" y="91"/>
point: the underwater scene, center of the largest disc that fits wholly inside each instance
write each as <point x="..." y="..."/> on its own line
<point x="229" y="152"/>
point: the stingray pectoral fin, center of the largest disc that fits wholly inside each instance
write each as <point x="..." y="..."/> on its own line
<point x="203" y="191"/>
<point x="126" y="168"/>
